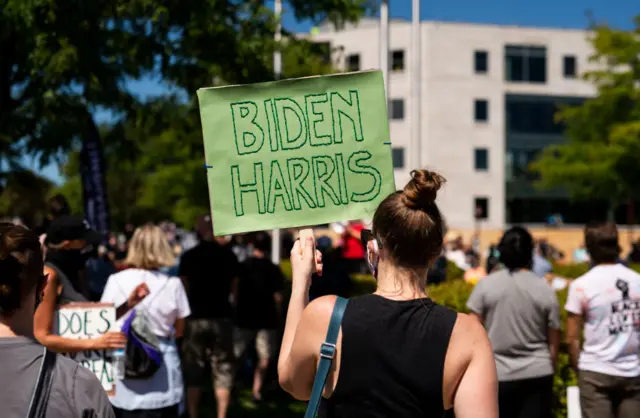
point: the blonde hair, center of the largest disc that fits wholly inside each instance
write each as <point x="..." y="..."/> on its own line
<point x="149" y="249"/>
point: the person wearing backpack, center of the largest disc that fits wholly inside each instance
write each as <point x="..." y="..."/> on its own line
<point x="394" y="353"/>
<point x="36" y="382"/>
<point x="153" y="386"/>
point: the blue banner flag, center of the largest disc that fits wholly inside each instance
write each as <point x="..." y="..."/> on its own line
<point x="94" y="186"/>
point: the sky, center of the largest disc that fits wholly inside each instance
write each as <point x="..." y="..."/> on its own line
<point x="546" y="13"/>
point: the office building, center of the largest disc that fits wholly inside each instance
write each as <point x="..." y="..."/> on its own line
<point x="489" y="94"/>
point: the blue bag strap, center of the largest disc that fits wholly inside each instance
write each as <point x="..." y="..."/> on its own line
<point x="327" y="352"/>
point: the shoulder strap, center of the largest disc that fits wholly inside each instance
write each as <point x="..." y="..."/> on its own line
<point x="40" y="397"/>
<point x="146" y="301"/>
<point x="327" y="352"/>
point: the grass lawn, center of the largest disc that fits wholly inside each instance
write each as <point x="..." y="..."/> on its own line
<point x="275" y="405"/>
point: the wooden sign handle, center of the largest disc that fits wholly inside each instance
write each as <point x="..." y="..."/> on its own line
<point x="303" y="234"/>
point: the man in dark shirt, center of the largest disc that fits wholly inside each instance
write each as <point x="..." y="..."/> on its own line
<point x="259" y="307"/>
<point x="209" y="271"/>
<point x="69" y="243"/>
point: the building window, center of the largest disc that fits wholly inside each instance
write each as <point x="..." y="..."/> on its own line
<point x="481" y="110"/>
<point x="518" y="164"/>
<point x="481" y="208"/>
<point x="481" y="62"/>
<point x="353" y="62"/>
<point x="397" y="60"/>
<point x="525" y="64"/>
<point x="397" y="156"/>
<point x="481" y="159"/>
<point x="533" y="116"/>
<point x="397" y="109"/>
<point x="569" y="66"/>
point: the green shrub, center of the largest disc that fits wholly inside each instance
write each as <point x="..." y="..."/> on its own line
<point x="570" y="271"/>
<point x="453" y="271"/>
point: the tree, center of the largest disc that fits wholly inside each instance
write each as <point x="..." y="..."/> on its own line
<point x="59" y="59"/>
<point x="154" y="154"/>
<point x="147" y="157"/>
<point x="600" y="158"/>
<point x="24" y="195"/>
<point x="232" y="42"/>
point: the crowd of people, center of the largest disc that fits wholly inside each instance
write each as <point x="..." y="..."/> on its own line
<point x="219" y="305"/>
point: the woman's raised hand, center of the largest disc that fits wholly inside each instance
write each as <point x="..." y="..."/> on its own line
<point x="305" y="259"/>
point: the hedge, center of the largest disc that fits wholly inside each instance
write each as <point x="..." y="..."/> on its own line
<point x="454" y="294"/>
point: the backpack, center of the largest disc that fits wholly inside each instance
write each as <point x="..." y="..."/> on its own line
<point x="143" y="357"/>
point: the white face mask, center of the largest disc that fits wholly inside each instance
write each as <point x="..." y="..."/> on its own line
<point x="372" y="257"/>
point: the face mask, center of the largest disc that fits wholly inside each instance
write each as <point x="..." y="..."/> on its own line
<point x="372" y="257"/>
<point x="70" y="261"/>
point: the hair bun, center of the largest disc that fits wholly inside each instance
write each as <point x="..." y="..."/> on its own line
<point x="422" y="189"/>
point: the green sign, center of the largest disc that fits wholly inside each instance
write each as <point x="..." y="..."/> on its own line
<point x="296" y="152"/>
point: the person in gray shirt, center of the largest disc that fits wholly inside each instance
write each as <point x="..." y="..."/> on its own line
<point x="521" y="314"/>
<point x="75" y="391"/>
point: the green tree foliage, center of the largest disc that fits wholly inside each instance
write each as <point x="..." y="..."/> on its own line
<point x="24" y="195"/>
<point x="60" y="59"/>
<point x="600" y="158"/>
<point x="154" y="154"/>
<point x="154" y="163"/>
<point x="232" y="42"/>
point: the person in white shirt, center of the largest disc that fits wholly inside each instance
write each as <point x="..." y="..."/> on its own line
<point x="605" y="303"/>
<point x="166" y="306"/>
<point x="455" y="250"/>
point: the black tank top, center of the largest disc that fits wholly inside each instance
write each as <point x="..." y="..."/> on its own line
<point x="392" y="362"/>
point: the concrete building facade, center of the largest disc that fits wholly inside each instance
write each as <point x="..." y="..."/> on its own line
<point x="489" y="94"/>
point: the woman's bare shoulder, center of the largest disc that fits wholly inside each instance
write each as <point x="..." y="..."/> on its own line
<point x="467" y="327"/>
<point x="468" y="339"/>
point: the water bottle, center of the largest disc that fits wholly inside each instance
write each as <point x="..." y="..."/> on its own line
<point x="119" y="363"/>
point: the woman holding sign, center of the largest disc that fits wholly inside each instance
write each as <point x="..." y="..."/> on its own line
<point x="157" y="391"/>
<point x="397" y="352"/>
<point x="67" y="237"/>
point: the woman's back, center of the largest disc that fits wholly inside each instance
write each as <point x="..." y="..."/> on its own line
<point x="166" y="302"/>
<point x="392" y="360"/>
<point x="402" y="356"/>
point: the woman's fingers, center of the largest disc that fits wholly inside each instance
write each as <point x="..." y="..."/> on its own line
<point x="117" y="336"/>
<point x="295" y="250"/>
<point x="113" y="340"/>
<point x="318" y="263"/>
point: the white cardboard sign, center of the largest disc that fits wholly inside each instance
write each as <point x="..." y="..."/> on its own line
<point x="85" y="321"/>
